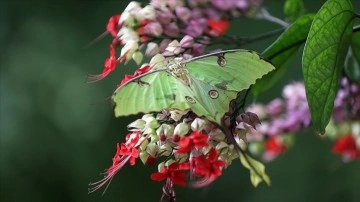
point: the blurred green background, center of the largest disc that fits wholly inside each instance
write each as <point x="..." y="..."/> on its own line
<point x="58" y="133"/>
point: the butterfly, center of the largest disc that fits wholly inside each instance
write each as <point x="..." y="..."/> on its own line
<point x="205" y="85"/>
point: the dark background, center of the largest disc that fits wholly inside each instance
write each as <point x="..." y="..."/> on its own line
<point x="58" y="132"/>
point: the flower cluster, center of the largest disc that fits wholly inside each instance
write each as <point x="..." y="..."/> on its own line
<point x="180" y="143"/>
<point x="283" y="117"/>
<point x="173" y="27"/>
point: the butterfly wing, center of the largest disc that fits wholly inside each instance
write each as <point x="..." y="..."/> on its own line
<point x="233" y="70"/>
<point x="149" y="93"/>
<point x="161" y="90"/>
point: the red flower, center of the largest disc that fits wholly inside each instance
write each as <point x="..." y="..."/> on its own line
<point x="138" y="72"/>
<point x="208" y="167"/>
<point x="142" y="70"/>
<point x="217" y="28"/>
<point x="124" y="152"/>
<point x="109" y="66"/>
<point x="195" y="139"/>
<point x="346" y="145"/>
<point x="273" y="147"/>
<point x="174" y="172"/>
<point x="113" y="25"/>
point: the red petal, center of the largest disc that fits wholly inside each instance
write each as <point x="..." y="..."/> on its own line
<point x="113" y="25"/>
<point x="158" y="176"/>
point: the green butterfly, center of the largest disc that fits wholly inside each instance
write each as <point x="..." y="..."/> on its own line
<point x="205" y="85"/>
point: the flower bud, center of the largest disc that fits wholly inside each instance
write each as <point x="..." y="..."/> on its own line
<point x="127" y="20"/>
<point x="165" y="129"/>
<point x="153" y="29"/>
<point x="158" y="59"/>
<point x="198" y="124"/>
<point x="144" y="143"/>
<point x="171" y="30"/>
<point x="126" y="34"/>
<point x="137" y="57"/>
<point x="151" y="122"/>
<point x="187" y="42"/>
<point x="183" y="14"/>
<point x="146" y="13"/>
<point x="165" y="17"/>
<point x="161" y="166"/>
<point x="152" y="149"/>
<point x="133" y="6"/>
<point x="181" y="157"/>
<point x="152" y="49"/>
<point x="128" y="50"/>
<point x="143" y="157"/>
<point x="154" y="137"/>
<point x="181" y="129"/>
<point x="221" y="145"/>
<point x="176" y="115"/>
<point x="173" y="48"/>
<point x="169" y="162"/>
<point x="165" y="149"/>
<point x="139" y="124"/>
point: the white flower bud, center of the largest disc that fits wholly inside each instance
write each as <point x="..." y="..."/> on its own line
<point x="137" y="125"/>
<point x="127" y="19"/>
<point x="143" y="144"/>
<point x="169" y="162"/>
<point x="151" y="122"/>
<point x="147" y="13"/>
<point x="137" y="57"/>
<point x="152" y="149"/>
<point x="126" y="34"/>
<point x="143" y="157"/>
<point x="157" y="59"/>
<point x="154" y="137"/>
<point x="165" y="149"/>
<point x="152" y="49"/>
<point x="129" y="49"/>
<point x="133" y="6"/>
<point x="166" y="129"/>
<point x="161" y="165"/>
<point x="198" y="124"/>
<point x="181" y="129"/>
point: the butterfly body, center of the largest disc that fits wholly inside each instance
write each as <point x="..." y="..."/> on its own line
<point x="206" y="85"/>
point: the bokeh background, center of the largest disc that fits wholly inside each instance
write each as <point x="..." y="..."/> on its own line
<point x="58" y="133"/>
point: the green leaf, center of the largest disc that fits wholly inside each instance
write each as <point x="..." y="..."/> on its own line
<point x="256" y="168"/>
<point x="281" y="52"/>
<point x="352" y="64"/>
<point x="355" y="44"/>
<point x="293" y="9"/>
<point x="323" y="58"/>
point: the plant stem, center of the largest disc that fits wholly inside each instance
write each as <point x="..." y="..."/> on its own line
<point x="264" y="14"/>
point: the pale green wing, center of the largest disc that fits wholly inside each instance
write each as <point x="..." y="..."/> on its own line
<point x="233" y="70"/>
<point x="160" y="90"/>
<point x="150" y="93"/>
<point x="208" y="101"/>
